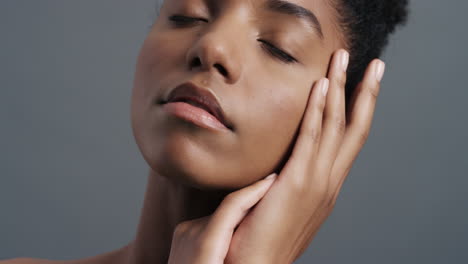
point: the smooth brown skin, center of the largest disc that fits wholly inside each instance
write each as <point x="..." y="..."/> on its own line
<point x="274" y="109"/>
<point x="263" y="97"/>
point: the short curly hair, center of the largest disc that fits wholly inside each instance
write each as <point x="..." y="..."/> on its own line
<point x="366" y="26"/>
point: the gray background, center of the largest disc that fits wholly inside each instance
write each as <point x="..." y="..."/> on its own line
<point x="72" y="179"/>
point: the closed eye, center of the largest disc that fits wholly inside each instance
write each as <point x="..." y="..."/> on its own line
<point x="277" y="52"/>
<point x="180" y="20"/>
<point x="184" y="21"/>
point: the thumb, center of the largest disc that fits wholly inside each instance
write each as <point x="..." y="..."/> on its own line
<point x="233" y="209"/>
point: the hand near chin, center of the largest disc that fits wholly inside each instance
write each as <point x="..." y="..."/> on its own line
<point x="282" y="225"/>
<point x="289" y="211"/>
<point x="206" y="240"/>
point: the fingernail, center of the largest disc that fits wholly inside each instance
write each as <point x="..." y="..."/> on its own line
<point x="325" y="84"/>
<point x="379" y="70"/>
<point x="344" y="60"/>
<point x="272" y="176"/>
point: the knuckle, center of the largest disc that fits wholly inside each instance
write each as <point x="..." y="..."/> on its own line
<point x="374" y="91"/>
<point x="320" y="105"/>
<point x="340" y="123"/>
<point x="313" y="133"/>
<point x="340" y="80"/>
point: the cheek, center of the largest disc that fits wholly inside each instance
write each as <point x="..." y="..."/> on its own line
<point x="158" y="57"/>
<point x="156" y="68"/>
<point x="271" y="120"/>
<point x="268" y="118"/>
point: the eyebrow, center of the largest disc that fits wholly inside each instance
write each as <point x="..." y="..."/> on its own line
<point x="288" y="8"/>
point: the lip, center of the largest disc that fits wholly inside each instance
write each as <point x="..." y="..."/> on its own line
<point x="196" y="104"/>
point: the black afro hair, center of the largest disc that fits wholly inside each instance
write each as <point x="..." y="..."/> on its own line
<point x="366" y="25"/>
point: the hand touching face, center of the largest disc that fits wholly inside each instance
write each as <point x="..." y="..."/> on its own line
<point x="285" y="221"/>
<point x="275" y="221"/>
<point x="259" y="63"/>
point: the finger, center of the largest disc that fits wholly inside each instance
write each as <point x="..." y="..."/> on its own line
<point x="308" y="139"/>
<point x="233" y="209"/>
<point x="334" y="123"/>
<point x="360" y="120"/>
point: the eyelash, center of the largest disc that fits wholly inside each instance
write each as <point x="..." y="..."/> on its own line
<point x="181" y="21"/>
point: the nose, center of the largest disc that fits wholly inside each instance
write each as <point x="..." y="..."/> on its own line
<point x="215" y="50"/>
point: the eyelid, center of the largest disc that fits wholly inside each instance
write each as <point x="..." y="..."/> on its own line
<point x="280" y="53"/>
<point x="173" y="18"/>
<point x="272" y="48"/>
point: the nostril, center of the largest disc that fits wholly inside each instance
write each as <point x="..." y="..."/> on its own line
<point x="195" y="62"/>
<point x="221" y="69"/>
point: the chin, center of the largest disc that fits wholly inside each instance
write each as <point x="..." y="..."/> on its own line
<point x="190" y="174"/>
<point x="185" y="159"/>
<point x="190" y="155"/>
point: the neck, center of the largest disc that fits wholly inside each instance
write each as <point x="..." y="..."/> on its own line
<point x="166" y="204"/>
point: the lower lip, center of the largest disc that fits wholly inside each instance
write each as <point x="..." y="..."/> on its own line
<point x="194" y="114"/>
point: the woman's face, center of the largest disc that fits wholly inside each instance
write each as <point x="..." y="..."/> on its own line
<point x="259" y="58"/>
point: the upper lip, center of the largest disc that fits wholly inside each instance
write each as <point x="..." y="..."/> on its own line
<point x="204" y="98"/>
